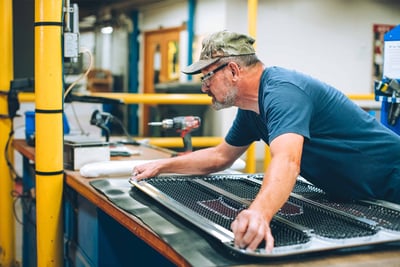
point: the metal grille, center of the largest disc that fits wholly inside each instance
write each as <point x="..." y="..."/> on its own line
<point x="309" y="221"/>
<point x="235" y="185"/>
<point x="384" y="217"/>
<point x="220" y="209"/>
<point x="327" y="223"/>
<point x="200" y="200"/>
<point x="324" y="222"/>
<point x="308" y="190"/>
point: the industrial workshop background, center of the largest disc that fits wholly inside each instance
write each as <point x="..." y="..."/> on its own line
<point x="131" y="51"/>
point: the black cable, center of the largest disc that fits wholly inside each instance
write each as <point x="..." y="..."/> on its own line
<point x="130" y="138"/>
<point x="17" y="196"/>
<point x="28" y="204"/>
<point x="13" y="172"/>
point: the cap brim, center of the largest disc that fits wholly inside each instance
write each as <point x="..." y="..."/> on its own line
<point x="196" y="67"/>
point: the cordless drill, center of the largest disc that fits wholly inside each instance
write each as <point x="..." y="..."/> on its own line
<point x="183" y="125"/>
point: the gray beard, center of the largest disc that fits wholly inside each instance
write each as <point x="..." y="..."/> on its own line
<point x="229" y="100"/>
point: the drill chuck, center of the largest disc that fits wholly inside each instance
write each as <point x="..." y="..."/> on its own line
<point x="166" y="124"/>
<point x="180" y="123"/>
<point x="184" y="125"/>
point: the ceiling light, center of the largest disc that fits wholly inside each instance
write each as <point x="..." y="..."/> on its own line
<point x="107" y="30"/>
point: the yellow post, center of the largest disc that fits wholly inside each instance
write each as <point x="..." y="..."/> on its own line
<point x="252" y="17"/>
<point x="252" y="24"/>
<point x="267" y="157"/>
<point x="251" y="159"/>
<point x="7" y="225"/>
<point x="49" y="132"/>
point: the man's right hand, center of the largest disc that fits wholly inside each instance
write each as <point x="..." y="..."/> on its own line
<point x="251" y="228"/>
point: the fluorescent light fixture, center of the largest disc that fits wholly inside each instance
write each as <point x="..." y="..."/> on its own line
<point x="107" y="30"/>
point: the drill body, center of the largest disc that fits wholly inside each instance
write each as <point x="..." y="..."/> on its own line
<point x="183" y="125"/>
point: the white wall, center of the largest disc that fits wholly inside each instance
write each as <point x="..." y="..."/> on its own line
<point x="210" y="16"/>
<point x="331" y="40"/>
<point x="170" y="13"/>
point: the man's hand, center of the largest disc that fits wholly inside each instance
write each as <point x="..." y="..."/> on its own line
<point x="250" y="229"/>
<point x="202" y="161"/>
<point x="146" y="170"/>
<point x="252" y="226"/>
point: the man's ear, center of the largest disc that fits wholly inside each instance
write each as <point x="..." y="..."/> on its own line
<point x="234" y="69"/>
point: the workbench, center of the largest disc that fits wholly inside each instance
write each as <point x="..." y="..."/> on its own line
<point x="99" y="233"/>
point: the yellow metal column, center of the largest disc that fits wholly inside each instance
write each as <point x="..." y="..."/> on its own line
<point x="49" y="132"/>
<point x="251" y="159"/>
<point x="252" y="21"/>
<point x="7" y="225"/>
<point x="252" y="16"/>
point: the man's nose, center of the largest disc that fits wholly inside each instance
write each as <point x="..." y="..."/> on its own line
<point x="204" y="88"/>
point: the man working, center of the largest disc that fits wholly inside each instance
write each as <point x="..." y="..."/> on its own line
<point x="312" y="129"/>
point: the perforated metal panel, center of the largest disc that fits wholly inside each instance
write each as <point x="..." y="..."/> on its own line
<point x="308" y="221"/>
<point x="385" y="217"/>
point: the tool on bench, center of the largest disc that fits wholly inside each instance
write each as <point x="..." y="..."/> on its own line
<point x="183" y="125"/>
<point x="391" y="88"/>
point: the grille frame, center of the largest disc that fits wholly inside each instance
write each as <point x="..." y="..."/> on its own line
<point x="315" y="243"/>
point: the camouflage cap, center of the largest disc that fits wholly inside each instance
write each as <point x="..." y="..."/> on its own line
<point x="221" y="44"/>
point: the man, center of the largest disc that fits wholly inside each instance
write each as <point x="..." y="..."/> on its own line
<point x="311" y="128"/>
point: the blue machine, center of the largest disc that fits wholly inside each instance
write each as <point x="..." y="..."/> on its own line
<point x="388" y="89"/>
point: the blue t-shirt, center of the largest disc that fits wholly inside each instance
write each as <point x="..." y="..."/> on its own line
<point x="346" y="151"/>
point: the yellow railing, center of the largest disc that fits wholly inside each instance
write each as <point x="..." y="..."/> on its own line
<point x="176" y="142"/>
<point x="192" y="99"/>
<point x="184" y="99"/>
<point x="361" y="96"/>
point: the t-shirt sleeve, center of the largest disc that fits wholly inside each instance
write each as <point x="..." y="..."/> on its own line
<point x="241" y="133"/>
<point x="287" y="109"/>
